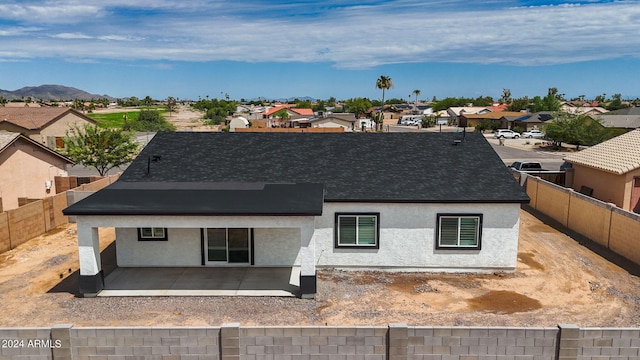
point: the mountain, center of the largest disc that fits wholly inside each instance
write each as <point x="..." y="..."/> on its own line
<point x="51" y="93"/>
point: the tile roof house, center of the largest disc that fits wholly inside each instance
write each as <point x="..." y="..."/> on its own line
<point x="471" y="120"/>
<point x="623" y="122"/>
<point x="527" y="121"/>
<point x="27" y="169"/>
<point x="46" y="125"/>
<point x="610" y="171"/>
<point x="347" y="121"/>
<point x="306" y="201"/>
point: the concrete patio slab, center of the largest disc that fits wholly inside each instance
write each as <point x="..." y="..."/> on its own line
<point x="204" y="281"/>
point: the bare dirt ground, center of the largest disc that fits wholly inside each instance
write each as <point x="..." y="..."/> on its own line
<point x="557" y="280"/>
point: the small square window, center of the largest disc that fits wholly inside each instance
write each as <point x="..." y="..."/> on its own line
<point x="357" y="230"/>
<point x="459" y="231"/>
<point x="152" y="234"/>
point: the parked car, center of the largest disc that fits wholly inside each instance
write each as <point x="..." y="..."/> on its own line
<point x="527" y="166"/>
<point x="536" y="134"/>
<point x="505" y="133"/>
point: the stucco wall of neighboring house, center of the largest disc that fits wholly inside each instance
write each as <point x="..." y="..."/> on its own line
<point x="58" y="128"/>
<point x="606" y="186"/>
<point x="332" y="123"/>
<point x="23" y="171"/>
<point x="407" y="238"/>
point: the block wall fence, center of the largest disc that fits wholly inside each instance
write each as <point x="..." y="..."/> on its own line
<point x="393" y="342"/>
<point x="603" y="223"/>
<point x="40" y="216"/>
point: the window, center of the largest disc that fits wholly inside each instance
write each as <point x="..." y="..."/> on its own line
<point x="459" y="231"/>
<point x="357" y="230"/>
<point x="152" y="234"/>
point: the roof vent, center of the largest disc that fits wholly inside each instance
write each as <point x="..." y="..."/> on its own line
<point x="456" y="142"/>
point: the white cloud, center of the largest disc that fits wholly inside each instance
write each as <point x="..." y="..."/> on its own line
<point x="70" y="36"/>
<point x="402" y="31"/>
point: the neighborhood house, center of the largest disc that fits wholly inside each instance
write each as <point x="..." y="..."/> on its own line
<point x="385" y="201"/>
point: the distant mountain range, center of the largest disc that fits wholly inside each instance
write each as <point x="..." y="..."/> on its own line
<point x="51" y="93"/>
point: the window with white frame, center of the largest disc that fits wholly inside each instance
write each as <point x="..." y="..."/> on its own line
<point x="459" y="231"/>
<point x="357" y="230"/>
<point x="152" y="234"/>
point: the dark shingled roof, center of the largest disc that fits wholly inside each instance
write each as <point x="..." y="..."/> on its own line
<point x="202" y="199"/>
<point x="357" y="167"/>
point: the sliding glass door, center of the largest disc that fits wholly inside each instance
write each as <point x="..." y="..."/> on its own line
<point x="227" y="245"/>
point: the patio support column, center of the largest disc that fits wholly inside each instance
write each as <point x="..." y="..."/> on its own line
<point x="307" y="261"/>
<point x="91" y="279"/>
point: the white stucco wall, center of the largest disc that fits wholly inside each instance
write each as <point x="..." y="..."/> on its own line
<point x="182" y="248"/>
<point x="407" y="238"/>
<point x="278" y="240"/>
<point x="276" y="247"/>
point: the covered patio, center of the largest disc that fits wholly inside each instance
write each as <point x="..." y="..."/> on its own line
<point x="202" y="281"/>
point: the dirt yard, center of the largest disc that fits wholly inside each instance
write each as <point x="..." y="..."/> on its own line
<point x="557" y="281"/>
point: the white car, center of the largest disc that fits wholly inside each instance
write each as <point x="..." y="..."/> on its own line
<point x="505" y="133"/>
<point x="537" y="134"/>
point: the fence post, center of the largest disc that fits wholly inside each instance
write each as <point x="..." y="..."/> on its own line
<point x="398" y="341"/>
<point x="61" y="342"/>
<point x="230" y="341"/>
<point x="569" y="343"/>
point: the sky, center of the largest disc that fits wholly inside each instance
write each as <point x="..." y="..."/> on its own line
<point x="250" y="49"/>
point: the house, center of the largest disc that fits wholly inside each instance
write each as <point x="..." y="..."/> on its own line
<point x="526" y="121"/>
<point x="27" y="170"/>
<point x="307" y="201"/>
<point x="621" y="122"/>
<point x="578" y="108"/>
<point x="347" y="121"/>
<point x="610" y="171"/>
<point x="46" y="125"/>
<point x="455" y="112"/>
<point x="471" y="120"/>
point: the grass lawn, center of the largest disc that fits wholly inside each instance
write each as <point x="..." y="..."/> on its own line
<point x="116" y="120"/>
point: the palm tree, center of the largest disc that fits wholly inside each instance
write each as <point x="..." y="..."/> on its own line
<point x="416" y="92"/>
<point x="383" y="83"/>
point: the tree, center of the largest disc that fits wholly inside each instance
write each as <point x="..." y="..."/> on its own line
<point x="3" y="101"/>
<point x="506" y="96"/>
<point x="102" y="149"/>
<point x="383" y="83"/>
<point x="148" y="101"/>
<point x="518" y="104"/>
<point x="357" y="106"/>
<point x="282" y="114"/>
<point x="171" y="104"/>
<point x="148" y="120"/>
<point x="577" y="130"/>
<point x="304" y="104"/>
<point x="416" y="92"/>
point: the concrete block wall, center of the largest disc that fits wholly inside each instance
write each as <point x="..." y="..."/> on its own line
<point x="26" y="343"/>
<point x="608" y="344"/>
<point x="313" y="342"/>
<point x="624" y="239"/>
<point x="601" y="222"/>
<point x="481" y="343"/>
<point x="165" y="343"/>
<point x="394" y="342"/>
